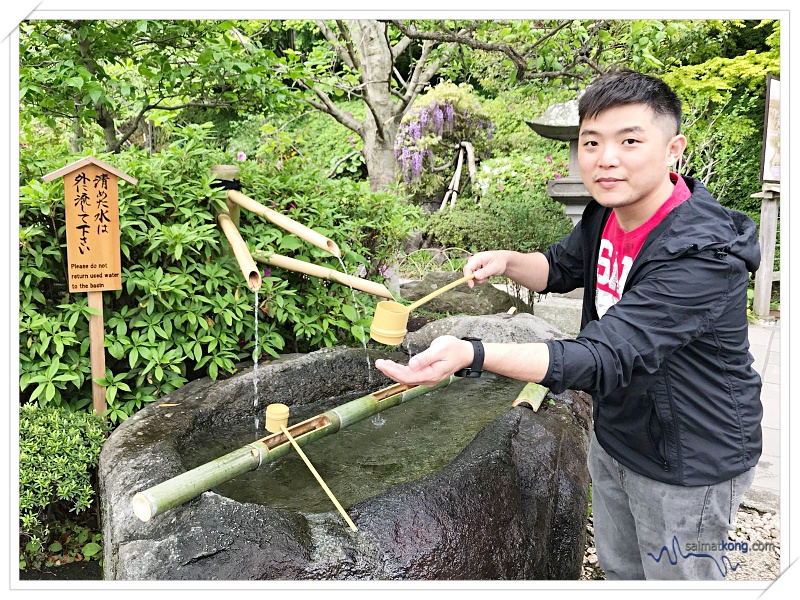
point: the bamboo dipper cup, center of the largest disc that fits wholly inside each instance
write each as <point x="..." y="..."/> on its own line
<point x="277" y="417"/>
<point x="390" y="318"/>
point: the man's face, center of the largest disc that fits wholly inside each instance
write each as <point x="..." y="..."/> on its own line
<point x="624" y="156"/>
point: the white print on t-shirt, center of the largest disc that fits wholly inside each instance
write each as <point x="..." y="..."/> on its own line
<point x="612" y="272"/>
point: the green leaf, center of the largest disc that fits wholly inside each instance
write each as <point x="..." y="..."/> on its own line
<point x="133" y="357"/>
<point x="350" y="312"/>
<point x="291" y="242"/>
<point x="91" y="549"/>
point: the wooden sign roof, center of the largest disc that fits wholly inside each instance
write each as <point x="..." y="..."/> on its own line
<point x="82" y="163"/>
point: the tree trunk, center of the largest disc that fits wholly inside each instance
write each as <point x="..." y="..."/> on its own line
<point x="379" y="156"/>
<point x="383" y="114"/>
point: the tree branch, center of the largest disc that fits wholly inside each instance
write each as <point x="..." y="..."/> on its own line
<point x="335" y="42"/>
<point x="400" y="47"/>
<point x="419" y="77"/>
<point x="467" y="40"/>
<point x="348" y="43"/>
<point x="340" y="161"/>
<point x="326" y="105"/>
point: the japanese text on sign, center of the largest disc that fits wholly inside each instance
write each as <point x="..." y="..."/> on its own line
<point x="92" y="217"/>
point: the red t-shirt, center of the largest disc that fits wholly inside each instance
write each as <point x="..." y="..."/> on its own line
<point x="618" y="248"/>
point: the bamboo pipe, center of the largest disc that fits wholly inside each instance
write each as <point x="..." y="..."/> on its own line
<point x="277" y="417"/>
<point x="532" y="394"/>
<point x="285" y="222"/>
<point x="240" y="251"/>
<point x="300" y="266"/>
<point x="190" y="484"/>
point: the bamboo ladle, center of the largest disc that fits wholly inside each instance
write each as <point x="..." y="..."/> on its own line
<point x="391" y="318"/>
<point x="277" y="417"/>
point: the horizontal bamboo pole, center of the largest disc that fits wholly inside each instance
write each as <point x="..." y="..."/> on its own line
<point x="290" y="225"/>
<point x="182" y="488"/>
<point x="240" y="251"/>
<point x="300" y="266"/>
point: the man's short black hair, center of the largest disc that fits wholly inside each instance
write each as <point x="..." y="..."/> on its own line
<point x="625" y="86"/>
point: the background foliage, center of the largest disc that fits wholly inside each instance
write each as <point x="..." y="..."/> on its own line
<point x="184" y="310"/>
<point x="164" y="100"/>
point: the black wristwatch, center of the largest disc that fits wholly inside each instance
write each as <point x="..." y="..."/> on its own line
<point x="476" y="368"/>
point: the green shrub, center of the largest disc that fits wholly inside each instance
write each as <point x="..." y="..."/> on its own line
<point x="58" y="454"/>
<point x="723" y="102"/>
<point x="510" y="111"/>
<point x="527" y="226"/>
<point x="514" y="211"/>
<point x="321" y="141"/>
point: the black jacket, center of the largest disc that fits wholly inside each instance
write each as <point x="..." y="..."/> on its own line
<point x="675" y="396"/>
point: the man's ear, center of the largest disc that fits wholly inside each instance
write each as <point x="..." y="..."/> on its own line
<point x="675" y="148"/>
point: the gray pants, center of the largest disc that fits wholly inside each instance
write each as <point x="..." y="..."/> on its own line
<point x="645" y="529"/>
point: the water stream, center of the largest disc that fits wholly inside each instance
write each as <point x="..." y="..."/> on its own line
<point x="255" y="360"/>
<point x="366" y="458"/>
<point x="358" y="312"/>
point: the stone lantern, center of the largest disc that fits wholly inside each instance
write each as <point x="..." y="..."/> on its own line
<point x="560" y="122"/>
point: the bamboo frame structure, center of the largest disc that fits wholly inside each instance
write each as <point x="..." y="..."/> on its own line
<point x="290" y="225"/>
<point x="240" y="251"/>
<point x="190" y="484"/>
<point x="299" y="266"/>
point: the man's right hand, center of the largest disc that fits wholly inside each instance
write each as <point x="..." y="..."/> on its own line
<point x="529" y="270"/>
<point x="485" y="265"/>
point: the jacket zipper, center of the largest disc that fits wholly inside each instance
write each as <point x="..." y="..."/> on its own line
<point x="664" y="461"/>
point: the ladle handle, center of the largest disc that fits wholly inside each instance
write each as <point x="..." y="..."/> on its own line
<point x="441" y="290"/>
<point x="318" y="478"/>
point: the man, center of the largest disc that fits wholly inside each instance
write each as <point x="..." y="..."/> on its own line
<point x="663" y="347"/>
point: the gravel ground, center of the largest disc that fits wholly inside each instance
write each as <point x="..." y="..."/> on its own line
<point x="757" y="532"/>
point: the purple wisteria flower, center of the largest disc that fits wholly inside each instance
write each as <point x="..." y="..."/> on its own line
<point x="438" y="121"/>
<point x="405" y="154"/>
<point x="449" y="115"/>
<point x="416" y="164"/>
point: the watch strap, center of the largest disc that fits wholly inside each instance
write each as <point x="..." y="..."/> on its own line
<point x="476" y="368"/>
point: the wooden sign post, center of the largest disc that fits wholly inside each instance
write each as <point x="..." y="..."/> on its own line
<point x="93" y="256"/>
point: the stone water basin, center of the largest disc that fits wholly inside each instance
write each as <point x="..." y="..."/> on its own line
<point x="504" y="498"/>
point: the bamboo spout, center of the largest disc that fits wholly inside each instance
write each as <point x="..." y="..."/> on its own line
<point x="299" y="266"/>
<point x="290" y="225"/>
<point x="240" y="251"/>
